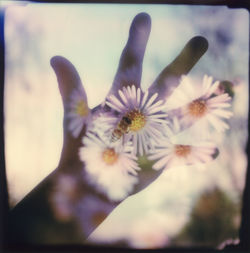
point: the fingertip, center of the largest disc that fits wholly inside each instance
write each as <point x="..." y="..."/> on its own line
<point x="55" y="60"/>
<point x="140" y="28"/>
<point x="59" y="62"/>
<point x="142" y="19"/>
<point x="67" y="76"/>
<point x="63" y="67"/>
<point x="199" y="44"/>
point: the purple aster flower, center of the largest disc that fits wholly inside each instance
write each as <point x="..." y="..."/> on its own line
<point x="144" y="113"/>
<point x="77" y="111"/>
<point x="171" y="152"/>
<point x="112" y="168"/>
<point x="201" y="104"/>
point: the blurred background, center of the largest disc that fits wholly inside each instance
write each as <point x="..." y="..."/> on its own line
<point x="186" y="206"/>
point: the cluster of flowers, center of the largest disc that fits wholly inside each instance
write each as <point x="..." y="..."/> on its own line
<point x="138" y="123"/>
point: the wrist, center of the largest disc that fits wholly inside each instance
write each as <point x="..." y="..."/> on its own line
<point x="74" y="199"/>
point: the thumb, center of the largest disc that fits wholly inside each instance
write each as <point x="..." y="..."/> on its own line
<point x="76" y="110"/>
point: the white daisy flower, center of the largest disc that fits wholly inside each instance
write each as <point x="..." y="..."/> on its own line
<point x="201" y="104"/>
<point x="169" y="154"/>
<point x="174" y="150"/>
<point x="111" y="168"/>
<point x="144" y="114"/>
<point x="77" y="111"/>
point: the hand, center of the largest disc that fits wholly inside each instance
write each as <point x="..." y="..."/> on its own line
<point x="129" y="72"/>
<point x="69" y="207"/>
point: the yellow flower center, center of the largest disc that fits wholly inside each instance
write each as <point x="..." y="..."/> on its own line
<point x="109" y="156"/>
<point x="197" y="108"/>
<point x="182" y="150"/>
<point x="81" y="108"/>
<point x="138" y="120"/>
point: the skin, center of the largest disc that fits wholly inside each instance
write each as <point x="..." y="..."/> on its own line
<point x="35" y="219"/>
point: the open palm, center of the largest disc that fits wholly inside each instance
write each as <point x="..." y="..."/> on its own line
<point x="129" y="73"/>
